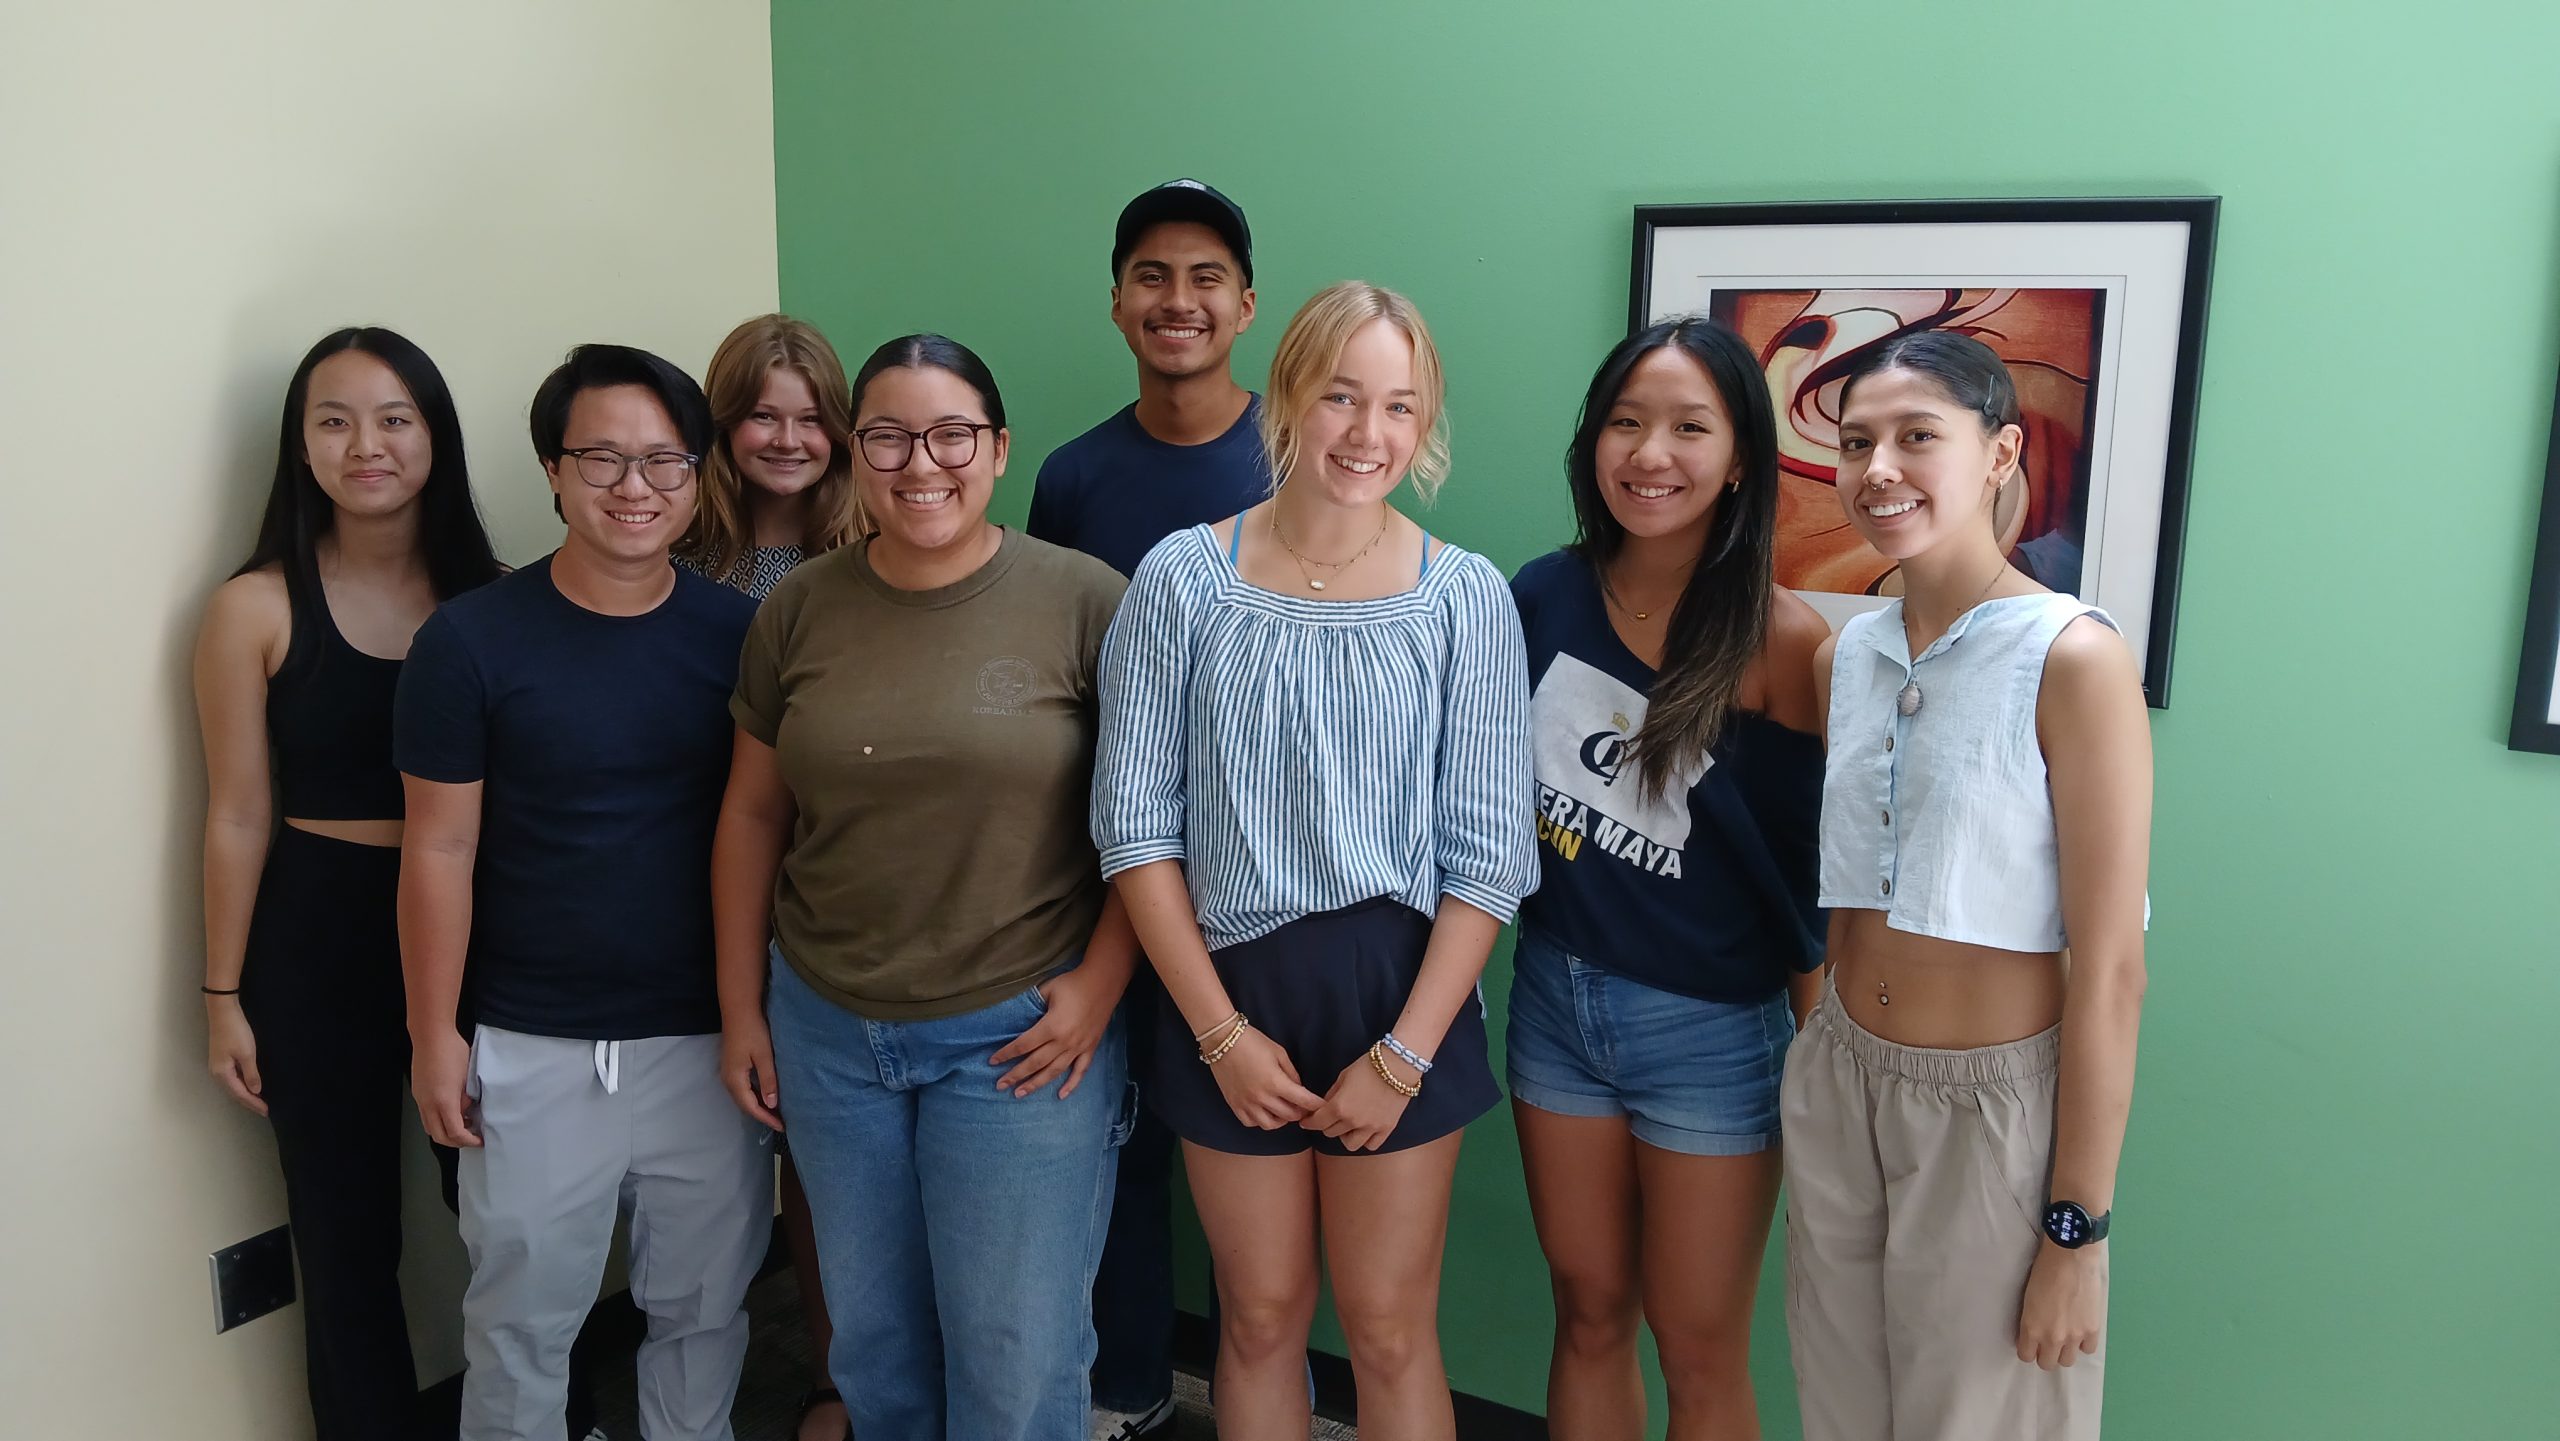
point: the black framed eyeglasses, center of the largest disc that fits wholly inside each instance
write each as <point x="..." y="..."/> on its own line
<point x="603" y="467"/>
<point x="891" y="448"/>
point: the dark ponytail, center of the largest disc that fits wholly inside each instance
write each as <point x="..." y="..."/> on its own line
<point x="932" y="352"/>
<point x="1969" y="372"/>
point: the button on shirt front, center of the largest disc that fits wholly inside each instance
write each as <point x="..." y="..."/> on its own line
<point x="1962" y="843"/>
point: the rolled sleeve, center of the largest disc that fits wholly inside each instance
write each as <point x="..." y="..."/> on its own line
<point x="1139" y="785"/>
<point x="439" y="713"/>
<point x="1485" y="796"/>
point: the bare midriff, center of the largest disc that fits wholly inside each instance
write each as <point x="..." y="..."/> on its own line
<point x="1942" y="995"/>
<point x="363" y="833"/>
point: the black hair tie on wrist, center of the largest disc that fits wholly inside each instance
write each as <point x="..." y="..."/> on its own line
<point x="210" y="991"/>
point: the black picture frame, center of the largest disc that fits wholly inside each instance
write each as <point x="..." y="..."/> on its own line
<point x="2536" y="726"/>
<point x="2176" y="432"/>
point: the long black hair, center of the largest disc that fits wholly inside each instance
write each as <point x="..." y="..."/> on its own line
<point x="1722" y="617"/>
<point x="455" y="544"/>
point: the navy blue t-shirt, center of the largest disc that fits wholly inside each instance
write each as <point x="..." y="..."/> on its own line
<point x="1707" y="891"/>
<point x="1115" y="490"/>
<point x="602" y="746"/>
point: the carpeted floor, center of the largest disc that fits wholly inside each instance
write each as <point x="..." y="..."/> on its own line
<point x="779" y="1367"/>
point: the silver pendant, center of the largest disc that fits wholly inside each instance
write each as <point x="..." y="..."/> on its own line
<point x="1907" y="700"/>
<point x="1315" y="585"/>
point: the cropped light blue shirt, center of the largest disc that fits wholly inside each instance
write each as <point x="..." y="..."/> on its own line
<point x="1943" y="820"/>
<point x="1300" y="756"/>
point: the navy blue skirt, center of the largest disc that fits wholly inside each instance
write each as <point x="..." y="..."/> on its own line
<point x="1325" y="987"/>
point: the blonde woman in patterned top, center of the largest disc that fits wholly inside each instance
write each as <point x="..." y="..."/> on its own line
<point x="777" y="486"/>
<point x="776" y="489"/>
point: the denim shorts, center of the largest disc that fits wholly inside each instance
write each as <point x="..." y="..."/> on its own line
<point x="1692" y="1076"/>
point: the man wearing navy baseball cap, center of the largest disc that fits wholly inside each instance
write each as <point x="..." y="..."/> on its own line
<point x="1188" y="452"/>
<point x="1183" y="202"/>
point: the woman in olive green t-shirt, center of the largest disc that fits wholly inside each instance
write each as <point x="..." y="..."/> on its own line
<point x="916" y="718"/>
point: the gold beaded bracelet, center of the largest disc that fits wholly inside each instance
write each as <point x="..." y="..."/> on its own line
<point x="1242" y="1025"/>
<point x="1378" y="1059"/>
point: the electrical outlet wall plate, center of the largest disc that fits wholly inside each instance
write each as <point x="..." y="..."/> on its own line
<point x="251" y="1278"/>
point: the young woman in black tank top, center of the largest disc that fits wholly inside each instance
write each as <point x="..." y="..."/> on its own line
<point x="368" y="525"/>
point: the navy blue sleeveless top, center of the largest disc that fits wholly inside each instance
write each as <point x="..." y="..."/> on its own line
<point x="329" y="721"/>
<point x="1707" y="891"/>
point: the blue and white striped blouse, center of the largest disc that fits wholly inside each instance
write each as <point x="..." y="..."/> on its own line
<point x="1300" y="756"/>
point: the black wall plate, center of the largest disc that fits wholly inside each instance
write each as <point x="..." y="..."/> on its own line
<point x="252" y="1278"/>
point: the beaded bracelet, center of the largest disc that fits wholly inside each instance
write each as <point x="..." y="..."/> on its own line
<point x="1242" y="1025"/>
<point x="1378" y="1060"/>
<point x="1404" y="1053"/>
<point x="1202" y="1038"/>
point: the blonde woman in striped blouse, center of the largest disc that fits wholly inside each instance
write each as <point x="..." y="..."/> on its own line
<point x="1313" y="789"/>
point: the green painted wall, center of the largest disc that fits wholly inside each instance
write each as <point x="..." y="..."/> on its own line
<point x="2337" y="1209"/>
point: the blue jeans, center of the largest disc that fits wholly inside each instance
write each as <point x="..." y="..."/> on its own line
<point x="1693" y="1076"/>
<point x="958" y="1228"/>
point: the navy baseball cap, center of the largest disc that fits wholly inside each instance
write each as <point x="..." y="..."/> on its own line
<point x="1182" y="200"/>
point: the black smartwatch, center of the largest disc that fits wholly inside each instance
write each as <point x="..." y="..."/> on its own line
<point x="2070" y="1227"/>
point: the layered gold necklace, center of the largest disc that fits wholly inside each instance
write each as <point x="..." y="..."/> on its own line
<point x="1335" y="567"/>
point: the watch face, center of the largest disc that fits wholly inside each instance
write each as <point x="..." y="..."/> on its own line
<point x="2067" y="1224"/>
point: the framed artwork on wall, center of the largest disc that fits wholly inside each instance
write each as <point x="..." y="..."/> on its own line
<point x="2097" y="306"/>
<point x="2537" y="719"/>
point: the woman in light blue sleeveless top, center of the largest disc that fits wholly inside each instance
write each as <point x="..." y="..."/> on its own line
<point x="1954" y="1109"/>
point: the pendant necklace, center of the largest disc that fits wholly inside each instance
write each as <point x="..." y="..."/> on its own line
<point x="1907" y="700"/>
<point x="1609" y="591"/>
<point x="1335" y="566"/>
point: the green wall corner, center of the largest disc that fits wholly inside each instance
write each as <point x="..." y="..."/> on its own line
<point x="2337" y="1196"/>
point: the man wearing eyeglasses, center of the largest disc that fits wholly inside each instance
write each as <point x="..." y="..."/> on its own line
<point x="563" y="736"/>
<point x="1188" y="452"/>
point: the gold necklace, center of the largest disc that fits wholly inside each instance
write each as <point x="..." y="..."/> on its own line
<point x="1611" y="593"/>
<point x="1336" y="566"/>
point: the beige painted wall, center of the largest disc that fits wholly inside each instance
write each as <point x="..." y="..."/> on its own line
<point x="189" y="195"/>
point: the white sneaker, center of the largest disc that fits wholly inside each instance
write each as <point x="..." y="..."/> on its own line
<point x="1129" y="1425"/>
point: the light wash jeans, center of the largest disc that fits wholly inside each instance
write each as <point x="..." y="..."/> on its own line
<point x="958" y="1228"/>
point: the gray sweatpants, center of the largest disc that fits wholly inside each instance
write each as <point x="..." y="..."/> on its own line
<point x="574" y="1132"/>
<point x="1915" y="1191"/>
